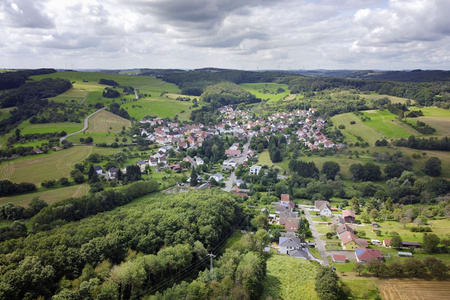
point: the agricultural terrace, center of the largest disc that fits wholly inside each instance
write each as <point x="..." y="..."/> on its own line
<point x="267" y="91"/>
<point x="392" y="98"/>
<point x="289" y="278"/>
<point x="39" y="168"/>
<point x="49" y="196"/>
<point x="104" y="127"/>
<point x="435" y="117"/>
<point x="413" y="289"/>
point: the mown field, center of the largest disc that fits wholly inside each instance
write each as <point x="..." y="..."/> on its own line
<point x="267" y="91"/>
<point x="289" y="278"/>
<point x="160" y="107"/>
<point x="392" y="98"/>
<point x="413" y="289"/>
<point x="362" y="289"/>
<point x="49" y="196"/>
<point x="435" y="117"/>
<point x="103" y="128"/>
<point x="42" y="167"/>
<point x="385" y="123"/>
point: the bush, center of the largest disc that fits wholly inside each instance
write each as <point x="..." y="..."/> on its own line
<point x="420" y="229"/>
<point x="352" y="122"/>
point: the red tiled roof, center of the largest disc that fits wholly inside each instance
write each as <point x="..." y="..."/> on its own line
<point x="369" y="254"/>
<point x="284" y="197"/>
<point x="291" y="226"/>
<point x="387" y="242"/>
<point x="339" y="257"/>
<point x="348" y="237"/>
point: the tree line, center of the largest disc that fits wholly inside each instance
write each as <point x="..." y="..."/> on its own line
<point x="15" y="79"/>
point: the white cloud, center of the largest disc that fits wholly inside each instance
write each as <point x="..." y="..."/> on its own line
<point x="233" y="33"/>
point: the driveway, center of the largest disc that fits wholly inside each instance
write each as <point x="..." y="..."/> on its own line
<point x="319" y="243"/>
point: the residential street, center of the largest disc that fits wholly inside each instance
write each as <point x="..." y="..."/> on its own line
<point x="232" y="178"/>
<point x="319" y="243"/>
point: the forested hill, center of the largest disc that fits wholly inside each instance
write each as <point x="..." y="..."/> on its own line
<point x="12" y="80"/>
<point x="226" y="93"/>
<point x="119" y="254"/>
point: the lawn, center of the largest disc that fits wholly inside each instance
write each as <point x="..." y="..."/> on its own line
<point x="42" y="167"/>
<point x="289" y="278"/>
<point x="266" y="91"/>
<point x="363" y="289"/>
<point x="104" y="127"/>
<point x="49" y="196"/>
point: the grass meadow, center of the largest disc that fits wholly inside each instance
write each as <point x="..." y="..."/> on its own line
<point x="160" y="107"/>
<point x="266" y="91"/>
<point x="435" y="117"/>
<point x="392" y="98"/>
<point x="49" y="196"/>
<point x="42" y="167"/>
<point x="5" y="112"/>
<point x="385" y="123"/>
<point x="104" y="127"/>
<point x="289" y="278"/>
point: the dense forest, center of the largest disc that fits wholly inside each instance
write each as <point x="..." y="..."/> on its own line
<point x="119" y="254"/>
<point x="13" y="80"/>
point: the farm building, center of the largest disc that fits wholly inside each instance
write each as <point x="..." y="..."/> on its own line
<point x="411" y="244"/>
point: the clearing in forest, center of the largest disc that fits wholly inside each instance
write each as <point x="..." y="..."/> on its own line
<point x="270" y="91"/>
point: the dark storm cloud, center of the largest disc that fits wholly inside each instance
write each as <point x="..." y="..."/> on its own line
<point x="26" y="13"/>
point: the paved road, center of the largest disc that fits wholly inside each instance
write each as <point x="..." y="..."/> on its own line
<point x="86" y="125"/>
<point x="232" y="178"/>
<point x="319" y="243"/>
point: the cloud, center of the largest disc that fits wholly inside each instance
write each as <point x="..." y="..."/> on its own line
<point x="25" y="13"/>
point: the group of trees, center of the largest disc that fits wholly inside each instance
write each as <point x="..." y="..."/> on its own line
<point x="431" y="143"/>
<point x="110" y="93"/>
<point x="8" y="188"/>
<point x="149" y="244"/>
<point x="367" y="172"/>
<point x="13" y="80"/>
<point x="115" y="109"/>
<point x="277" y="148"/>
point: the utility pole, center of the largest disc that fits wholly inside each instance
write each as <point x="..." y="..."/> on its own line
<point x="211" y="264"/>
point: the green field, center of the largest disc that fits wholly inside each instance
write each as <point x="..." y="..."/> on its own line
<point x="435" y="117"/>
<point x="5" y="112"/>
<point x="42" y="167"/>
<point x="392" y="98"/>
<point x="49" y="196"/>
<point x="159" y="107"/>
<point x="289" y="278"/>
<point x="104" y="127"/>
<point x="266" y="91"/>
<point x="382" y="125"/>
<point x="362" y="289"/>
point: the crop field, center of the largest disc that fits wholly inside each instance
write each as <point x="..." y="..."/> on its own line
<point x="103" y="128"/>
<point x="159" y="107"/>
<point x="39" y="168"/>
<point x="289" y="278"/>
<point x="266" y="91"/>
<point x="392" y="98"/>
<point x="49" y="196"/>
<point x="413" y="289"/>
<point x="435" y="117"/>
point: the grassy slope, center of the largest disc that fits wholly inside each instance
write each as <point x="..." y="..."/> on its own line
<point x="384" y="122"/>
<point x="437" y="118"/>
<point x="258" y="88"/>
<point x="103" y="128"/>
<point x="49" y="196"/>
<point x="392" y="98"/>
<point x="39" y="168"/>
<point x="289" y="278"/>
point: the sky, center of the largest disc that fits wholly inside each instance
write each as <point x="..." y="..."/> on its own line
<point x="234" y="34"/>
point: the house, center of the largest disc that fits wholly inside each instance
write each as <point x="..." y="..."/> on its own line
<point x="280" y="208"/>
<point x="98" y="169"/>
<point x="375" y="225"/>
<point x="337" y="220"/>
<point x="291" y="226"/>
<point x="300" y="253"/>
<point x="37" y="151"/>
<point x="339" y="258"/>
<point x="318" y="203"/>
<point x="199" y="161"/>
<point x="285" y="220"/>
<point x="112" y="173"/>
<point x="233" y="153"/>
<point x="286" y="215"/>
<point x="343" y="229"/>
<point x="153" y="162"/>
<point x="350" y="241"/>
<point x="366" y="255"/>
<point x="349" y="216"/>
<point x="325" y="210"/>
<point x="387" y="242"/>
<point x="286" y="244"/>
<point x="254" y="170"/>
<point x="142" y="164"/>
<point x="217" y="177"/>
